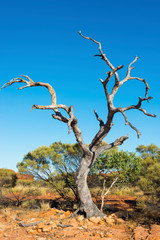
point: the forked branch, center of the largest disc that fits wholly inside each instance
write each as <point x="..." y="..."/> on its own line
<point x="105" y="127"/>
<point x="70" y="120"/>
<point x="119" y="141"/>
<point x="102" y="55"/>
<point x="30" y="83"/>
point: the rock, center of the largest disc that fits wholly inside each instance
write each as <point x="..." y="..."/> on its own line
<point x="64" y="225"/>
<point x="31" y="231"/>
<point x="154" y="232"/>
<point x="80" y="218"/>
<point x="95" y="219"/>
<point x="80" y="228"/>
<point x="39" y="230"/>
<point x="6" y="218"/>
<point x="119" y="221"/>
<point x="5" y="235"/>
<point x="140" y="233"/>
<point x="40" y="225"/>
<point x="101" y="222"/>
<point x="53" y="225"/>
<point x="109" y="220"/>
<point x="96" y="234"/>
<point x="67" y="214"/>
<point x="40" y="238"/>
<point x="50" y="212"/>
<point x="62" y="216"/>
<point x="113" y="215"/>
<point x="108" y="235"/>
<point x="47" y="228"/>
<point x="101" y="235"/>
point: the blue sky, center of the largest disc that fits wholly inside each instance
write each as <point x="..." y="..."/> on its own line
<point x="39" y="38"/>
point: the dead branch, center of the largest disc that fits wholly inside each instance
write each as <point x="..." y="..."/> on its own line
<point x="105" y="128"/>
<point x="71" y="120"/>
<point x="99" y="119"/>
<point x="128" y="123"/>
<point x="31" y="83"/>
<point x="138" y="107"/>
<point x="119" y="141"/>
<point x="29" y="224"/>
<point x="111" y="73"/>
<point x="105" y="193"/>
<point x="102" y="55"/>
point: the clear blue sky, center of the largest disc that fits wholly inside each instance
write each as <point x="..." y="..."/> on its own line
<point x="39" y="38"/>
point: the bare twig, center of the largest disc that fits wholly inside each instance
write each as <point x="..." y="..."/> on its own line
<point x="104" y="194"/>
<point x="128" y="123"/>
<point x="102" y="55"/>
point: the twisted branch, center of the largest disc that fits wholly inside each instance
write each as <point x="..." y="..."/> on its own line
<point x="71" y="121"/>
<point x="119" y="141"/>
<point x="105" y="128"/>
<point x="128" y="123"/>
<point x="138" y="107"/>
<point x="128" y="77"/>
<point x="102" y="55"/>
<point x="31" y="83"/>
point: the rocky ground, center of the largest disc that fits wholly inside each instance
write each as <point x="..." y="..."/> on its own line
<point x="20" y="224"/>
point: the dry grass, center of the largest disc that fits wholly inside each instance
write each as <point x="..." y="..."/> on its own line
<point x="44" y="206"/>
<point x="130" y="191"/>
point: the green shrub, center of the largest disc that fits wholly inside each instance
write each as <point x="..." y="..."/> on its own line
<point x="8" y="178"/>
<point x="25" y="183"/>
<point x="141" y="204"/>
<point x="29" y="203"/>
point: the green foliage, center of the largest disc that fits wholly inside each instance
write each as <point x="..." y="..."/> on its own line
<point x="7" y="178"/>
<point x="149" y="179"/>
<point x="127" y="190"/>
<point x="57" y="164"/>
<point x="29" y="203"/>
<point x="17" y="195"/>
<point x="48" y="163"/>
<point x="24" y="182"/>
<point x="112" y="163"/>
<point x="141" y="204"/>
<point x="103" y="163"/>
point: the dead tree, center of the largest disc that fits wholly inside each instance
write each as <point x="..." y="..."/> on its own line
<point x="91" y="152"/>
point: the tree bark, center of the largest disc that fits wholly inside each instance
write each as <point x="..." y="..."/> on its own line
<point x="86" y="204"/>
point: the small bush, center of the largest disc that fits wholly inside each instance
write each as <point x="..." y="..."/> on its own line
<point x="29" y="203"/>
<point x="141" y="204"/>
<point x="24" y="183"/>
<point x="130" y="191"/>
<point x="44" y="206"/>
<point x="7" y="178"/>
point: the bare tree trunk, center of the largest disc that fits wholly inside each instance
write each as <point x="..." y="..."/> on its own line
<point x="86" y="204"/>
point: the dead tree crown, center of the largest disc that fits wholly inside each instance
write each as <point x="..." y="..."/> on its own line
<point x="104" y="126"/>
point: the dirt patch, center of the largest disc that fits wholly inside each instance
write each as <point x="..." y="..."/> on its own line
<point x="23" y="224"/>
